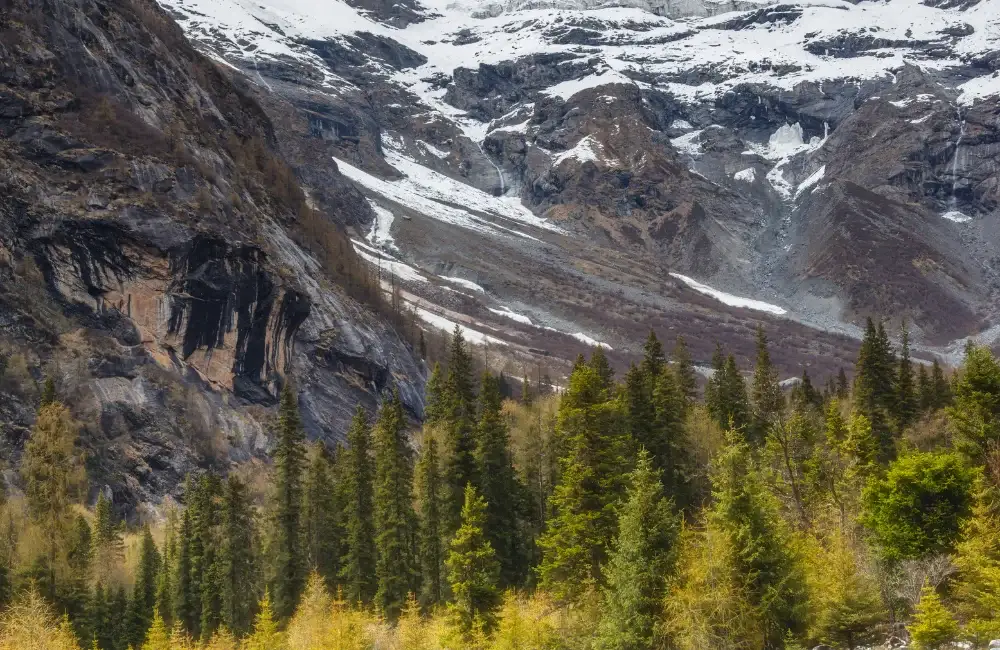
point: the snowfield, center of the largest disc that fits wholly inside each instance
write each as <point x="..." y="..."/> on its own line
<point x="730" y="299"/>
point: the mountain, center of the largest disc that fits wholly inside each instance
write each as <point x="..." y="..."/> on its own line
<point x="551" y="174"/>
<point x="159" y="261"/>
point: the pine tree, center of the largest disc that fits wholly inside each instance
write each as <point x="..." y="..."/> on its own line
<point x="767" y="399"/>
<point x="76" y="591"/>
<point x="906" y="396"/>
<point x="526" y="396"/>
<point x="924" y="396"/>
<point x="874" y="385"/>
<point x="434" y="406"/>
<point x="639" y="405"/>
<point x="933" y="626"/>
<point x="729" y="404"/>
<point x="976" y="413"/>
<point x="600" y="364"/>
<point x="843" y="387"/>
<point x="143" y="602"/>
<point x="289" y="460"/>
<point x="109" y="549"/>
<point x="431" y="533"/>
<point x="669" y="447"/>
<point x="745" y="512"/>
<point x="654" y="360"/>
<point x="237" y="559"/>
<point x="579" y="531"/>
<point x="712" y="387"/>
<point x="976" y="588"/>
<point x="459" y="453"/>
<point x="265" y="635"/>
<point x="119" y="604"/>
<point x="157" y="637"/>
<point x="640" y="563"/>
<point x="165" y="579"/>
<point x="205" y="583"/>
<point x="473" y="570"/>
<point x="187" y="602"/>
<point x="321" y="518"/>
<point x="395" y="520"/>
<point x="686" y="378"/>
<point x="940" y="387"/>
<point x="501" y="487"/>
<point x="809" y="397"/>
<point x="358" y="565"/>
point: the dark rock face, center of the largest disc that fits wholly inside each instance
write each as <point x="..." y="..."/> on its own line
<point x="147" y="259"/>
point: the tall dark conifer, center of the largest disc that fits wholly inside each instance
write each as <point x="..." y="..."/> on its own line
<point x="766" y="396"/>
<point x="238" y="560"/>
<point x="501" y="488"/>
<point x="907" y="404"/>
<point x="289" y="460"/>
<point x="687" y="380"/>
<point x="322" y="530"/>
<point x="460" y="444"/>
<point x="357" y="570"/>
<point x="395" y="520"/>
<point x="140" y="610"/>
<point x="429" y="494"/>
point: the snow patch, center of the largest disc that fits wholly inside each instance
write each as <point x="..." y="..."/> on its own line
<point x="462" y="282"/>
<point x="389" y="265"/>
<point x="440" y="322"/>
<point x="592" y="342"/>
<point x="506" y="312"/>
<point x="956" y="216"/>
<point x="747" y="175"/>
<point x="730" y="299"/>
<point x="808" y="183"/>
<point x="381" y="232"/>
<point x="431" y="149"/>
<point x="587" y="149"/>
<point x="568" y="89"/>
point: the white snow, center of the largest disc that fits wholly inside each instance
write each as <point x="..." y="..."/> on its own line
<point x="568" y="89"/>
<point x="748" y="175"/>
<point x="728" y="298"/>
<point x="923" y="119"/>
<point x="431" y="149"/>
<point x="681" y="125"/>
<point x="808" y="183"/>
<point x="389" y="265"/>
<point x="783" y="145"/>
<point x="592" y="342"/>
<point x="506" y="312"/>
<point x="587" y="149"/>
<point x="440" y="322"/>
<point x="381" y="232"/>
<point x="439" y="197"/>
<point x="462" y="282"/>
<point x="689" y="143"/>
<point x="956" y="216"/>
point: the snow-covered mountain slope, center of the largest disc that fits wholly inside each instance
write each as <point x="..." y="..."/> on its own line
<point x="597" y="168"/>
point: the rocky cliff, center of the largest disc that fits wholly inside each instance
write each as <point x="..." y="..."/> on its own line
<point x="159" y="259"/>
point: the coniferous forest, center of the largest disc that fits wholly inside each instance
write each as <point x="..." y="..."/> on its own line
<point x="619" y="513"/>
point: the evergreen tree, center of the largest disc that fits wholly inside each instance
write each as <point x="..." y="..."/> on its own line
<point x="434" y="406"/>
<point x="843" y="387"/>
<point x="925" y="397"/>
<point x="321" y="519"/>
<point x="745" y="512"/>
<point x="118" y="605"/>
<point x="654" y="360"/>
<point x="143" y="602"/>
<point x="684" y="369"/>
<point x="726" y="395"/>
<point x="76" y="591"/>
<point x="669" y="447"/>
<point x="237" y="559"/>
<point x="205" y="584"/>
<point x="501" y="488"/>
<point x="473" y="570"/>
<point x="602" y="366"/>
<point x="933" y="626"/>
<point x="976" y="413"/>
<point x="395" y="520"/>
<point x="906" y="395"/>
<point x="48" y="395"/>
<point x="575" y="542"/>
<point x="939" y="387"/>
<point x="289" y="460"/>
<point x="102" y="626"/>
<point x="431" y="532"/>
<point x="187" y="601"/>
<point x="460" y="445"/>
<point x="640" y="563"/>
<point x="639" y="404"/>
<point x="767" y="399"/>
<point x="157" y="637"/>
<point x="526" y="397"/>
<point x="874" y="384"/>
<point x="109" y="549"/>
<point x="358" y="565"/>
<point x="808" y="396"/>
<point x="265" y="635"/>
<point x="165" y="579"/>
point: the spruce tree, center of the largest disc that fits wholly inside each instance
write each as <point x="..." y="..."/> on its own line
<point x="874" y="384"/>
<point x="602" y="366"/>
<point x="76" y="591"/>
<point x="434" y="406"/>
<point x="203" y="551"/>
<point x="712" y="387"/>
<point x="684" y="368"/>
<point x="358" y="565"/>
<point x="906" y="406"/>
<point x="639" y="405"/>
<point x="102" y="626"/>
<point x="940" y="387"/>
<point x="745" y="512"/>
<point x="143" y="601"/>
<point x="187" y="602"/>
<point x="729" y="406"/>
<point x="640" y="563"/>
<point x="580" y="529"/>
<point x="501" y="487"/>
<point x="238" y="562"/>
<point x="459" y="400"/>
<point x="289" y="460"/>
<point x="933" y="626"/>
<point x="976" y="413"/>
<point x="429" y="487"/>
<point x="321" y="518"/>
<point x="670" y="447"/>
<point x="767" y="399"/>
<point x="109" y="549"/>
<point x="395" y="520"/>
<point x="924" y="396"/>
<point x="165" y="579"/>
<point x="843" y="387"/>
<point x="653" y="360"/>
<point x="473" y="570"/>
